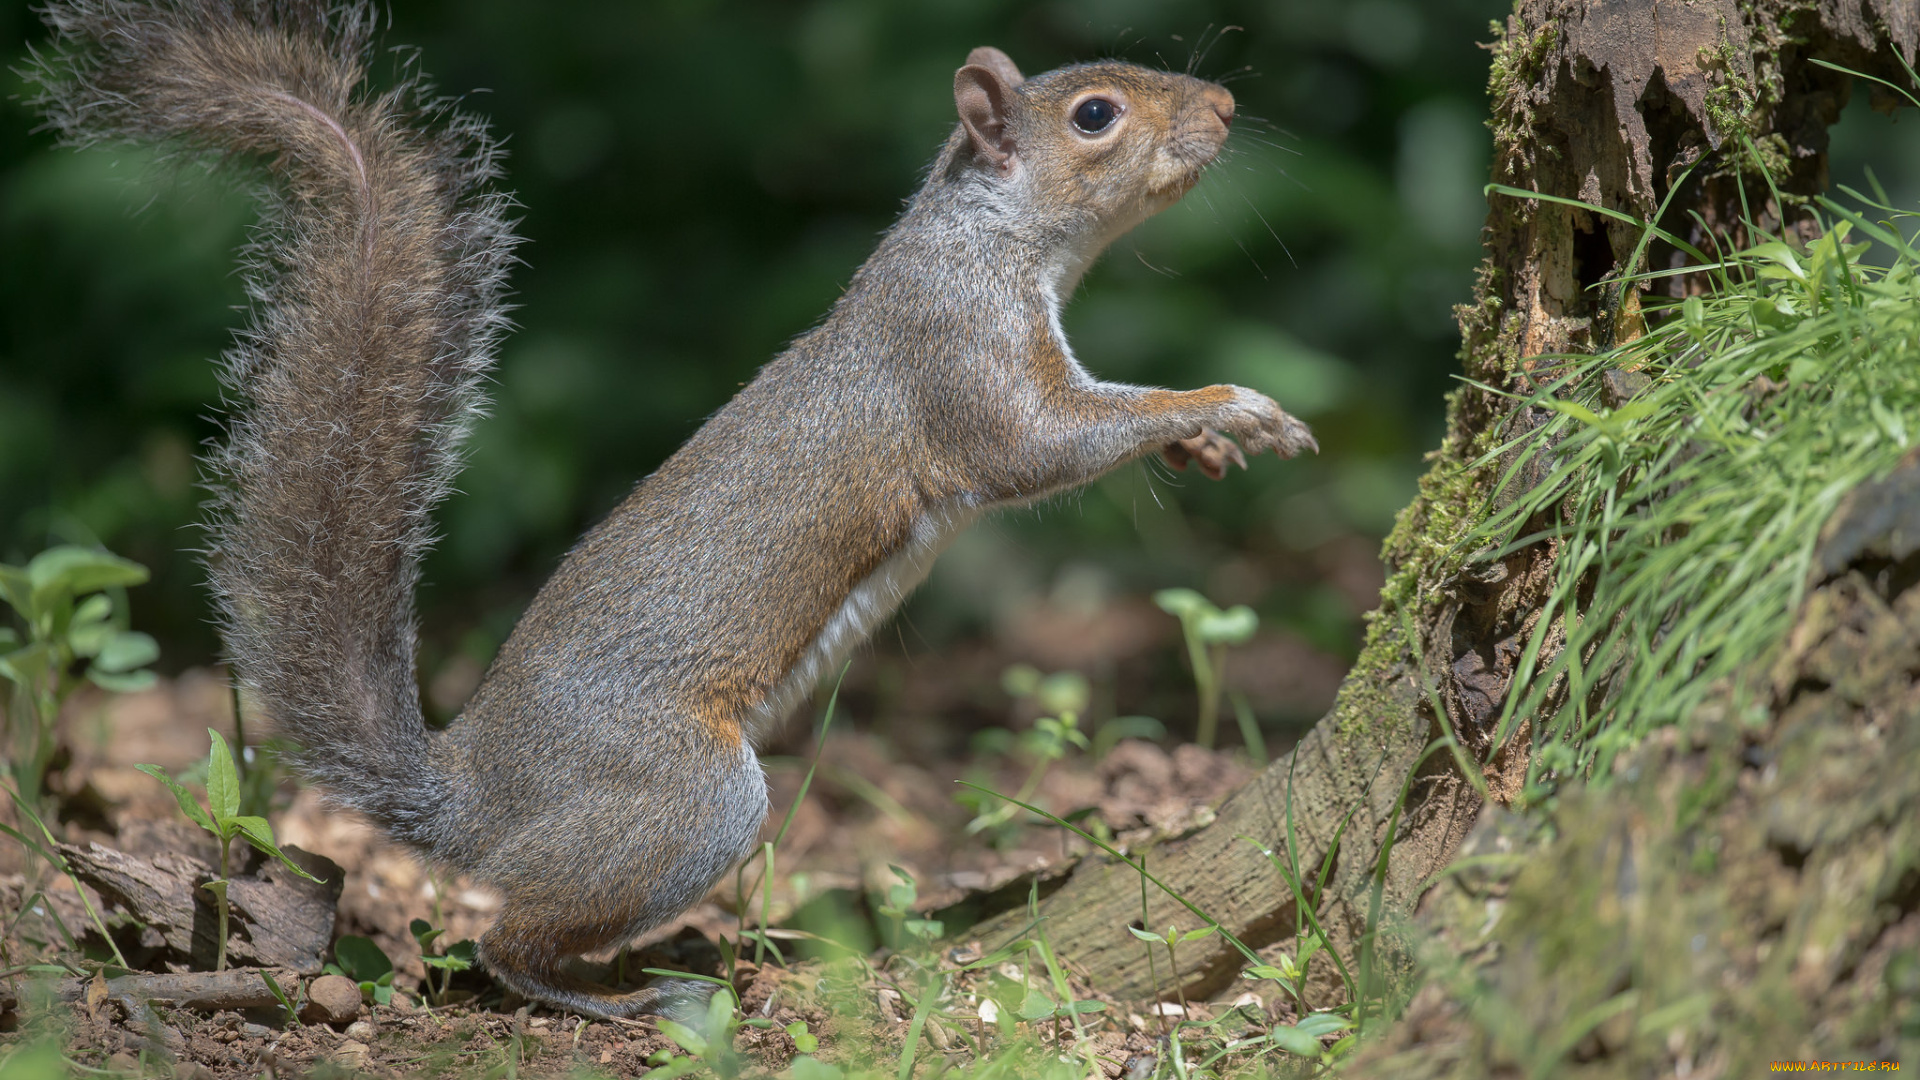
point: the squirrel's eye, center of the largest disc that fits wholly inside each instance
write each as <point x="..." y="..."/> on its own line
<point x="1094" y="115"/>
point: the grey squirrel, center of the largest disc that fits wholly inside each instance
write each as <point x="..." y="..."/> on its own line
<point x="603" y="776"/>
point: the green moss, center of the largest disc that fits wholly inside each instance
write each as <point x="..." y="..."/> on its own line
<point x="1367" y="698"/>
<point x="1738" y="109"/>
<point x="1518" y="64"/>
<point x="1731" y="100"/>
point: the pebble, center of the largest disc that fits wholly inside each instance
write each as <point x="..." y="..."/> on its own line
<point x="350" y="1054"/>
<point x="360" y="1031"/>
<point x="331" y="999"/>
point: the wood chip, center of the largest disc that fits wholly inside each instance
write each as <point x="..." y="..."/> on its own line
<point x="278" y="919"/>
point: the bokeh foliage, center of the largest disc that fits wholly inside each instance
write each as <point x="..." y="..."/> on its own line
<point x="699" y="179"/>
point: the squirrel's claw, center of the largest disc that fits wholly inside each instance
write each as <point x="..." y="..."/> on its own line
<point x="1261" y="425"/>
<point x="1209" y="449"/>
<point x="1295" y="436"/>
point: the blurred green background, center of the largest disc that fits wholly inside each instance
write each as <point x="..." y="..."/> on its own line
<point x="699" y="180"/>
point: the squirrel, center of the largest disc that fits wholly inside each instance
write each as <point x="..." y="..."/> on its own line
<point x="603" y="776"/>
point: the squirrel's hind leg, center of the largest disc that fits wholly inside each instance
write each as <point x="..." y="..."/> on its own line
<point x="620" y="857"/>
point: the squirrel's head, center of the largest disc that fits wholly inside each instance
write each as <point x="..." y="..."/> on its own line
<point x="1097" y="147"/>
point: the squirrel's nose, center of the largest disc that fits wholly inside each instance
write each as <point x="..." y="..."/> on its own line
<point x="1221" y="101"/>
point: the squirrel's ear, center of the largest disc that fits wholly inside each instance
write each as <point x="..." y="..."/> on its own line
<point x="985" y="102"/>
<point x="989" y="57"/>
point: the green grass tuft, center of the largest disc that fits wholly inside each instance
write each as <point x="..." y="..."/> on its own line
<point x="1686" y="477"/>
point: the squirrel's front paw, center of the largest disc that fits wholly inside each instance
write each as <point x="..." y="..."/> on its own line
<point x="1210" y="450"/>
<point x="1261" y="424"/>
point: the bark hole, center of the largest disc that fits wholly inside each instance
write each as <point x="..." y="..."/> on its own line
<point x="1592" y="254"/>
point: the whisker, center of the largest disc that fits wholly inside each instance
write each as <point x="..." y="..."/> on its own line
<point x="1270" y="231"/>
<point x="1194" y="54"/>
<point x="1271" y="145"/>
<point x="1161" y="270"/>
<point x="1207" y="47"/>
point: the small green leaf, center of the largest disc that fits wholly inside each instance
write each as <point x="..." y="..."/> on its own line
<point x="1775" y="313"/>
<point x="223" y="784"/>
<point x="23" y="665"/>
<point x="902" y="894"/>
<point x="1020" y="680"/>
<point x="87" y="639"/>
<point x="1232" y="627"/>
<point x="1083" y="1007"/>
<point x="70" y="570"/>
<point x="1184" y="603"/>
<point x="1268" y="971"/>
<point x="807" y="1068"/>
<point x="379" y="991"/>
<point x="1577" y="411"/>
<point x="1294" y="1041"/>
<point x="719" y="1026"/>
<point x="94" y="609"/>
<point x="1693" y="313"/>
<point x="17" y="589"/>
<point x="260" y="834"/>
<point x="803" y="1040"/>
<point x="1064" y="692"/>
<point x="424" y="932"/>
<point x="1145" y="935"/>
<point x="1782" y="257"/>
<point x="188" y="805"/>
<point x="361" y="960"/>
<point x="1806" y="368"/>
<point x="1323" y="1023"/>
<point x="685" y="1037"/>
<point x="130" y="683"/>
<point x="125" y="651"/>
<point x="458" y="957"/>
<point x="1037" y="1006"/>
<point x="1203" y="932"/>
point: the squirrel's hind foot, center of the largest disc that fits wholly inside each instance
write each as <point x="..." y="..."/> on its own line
<point x="536" y="967"/>
<point x="682" y="1000"/>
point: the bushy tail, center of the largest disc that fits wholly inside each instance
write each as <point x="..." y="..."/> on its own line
<point x="376" y="282"/>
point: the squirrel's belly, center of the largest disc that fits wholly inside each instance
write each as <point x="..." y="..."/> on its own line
<point x="864" y="609"/>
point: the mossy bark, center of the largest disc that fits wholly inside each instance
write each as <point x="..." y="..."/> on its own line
<point x="1745" y="891"/>
<point x="1610" y="102"/>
